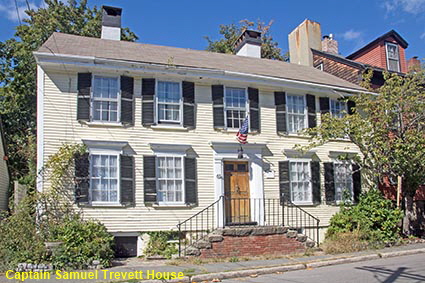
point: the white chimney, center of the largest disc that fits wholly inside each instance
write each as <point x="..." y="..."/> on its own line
<point x="111" y="23"/>
<point x="302" y="39"/>
<point x="249" y="44"/>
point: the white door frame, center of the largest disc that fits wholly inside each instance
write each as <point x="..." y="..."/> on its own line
<point x="228" y="151"/>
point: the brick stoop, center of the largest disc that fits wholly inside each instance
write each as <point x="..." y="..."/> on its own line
<point x="252" y="241"/>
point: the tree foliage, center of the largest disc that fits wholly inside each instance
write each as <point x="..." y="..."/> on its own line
<point x="389" y="129"/>
<point x="18" y="73"/>
<point x="230" y="33"/>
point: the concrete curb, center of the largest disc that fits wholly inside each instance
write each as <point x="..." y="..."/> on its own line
<point x="286" y="268"/>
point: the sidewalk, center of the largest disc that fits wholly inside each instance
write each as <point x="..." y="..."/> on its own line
<point x="222" y="270"/>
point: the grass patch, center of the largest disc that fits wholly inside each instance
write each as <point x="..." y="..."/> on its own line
<point x="348" y="242"/>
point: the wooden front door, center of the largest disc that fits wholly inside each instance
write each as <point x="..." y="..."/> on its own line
<point x="236" y="192"/>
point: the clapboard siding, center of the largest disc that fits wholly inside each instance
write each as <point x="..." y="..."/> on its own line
<point x="4" y="178"/>
<point x="61" y="125"/>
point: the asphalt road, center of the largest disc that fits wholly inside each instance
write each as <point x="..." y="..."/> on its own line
<point x="398" y="269"/>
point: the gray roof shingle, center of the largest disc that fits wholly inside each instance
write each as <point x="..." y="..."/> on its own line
<point x="60" y="43"/>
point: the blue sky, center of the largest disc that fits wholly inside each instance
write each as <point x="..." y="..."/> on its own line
<point x="184" y="23"/>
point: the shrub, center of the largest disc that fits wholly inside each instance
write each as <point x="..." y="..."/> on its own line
<point x="82" y="242"/>
<point x="159" y="244"/>
<point x="346" y="242"/>
<point x="374" y="219"/>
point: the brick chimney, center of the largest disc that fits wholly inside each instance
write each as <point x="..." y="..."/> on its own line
<point x="111" y="23"/>
<point x="249" y="44"/>
<point x="329" y="44"/>
<point x="302" y="39"/>
<point x="414" y="64"/>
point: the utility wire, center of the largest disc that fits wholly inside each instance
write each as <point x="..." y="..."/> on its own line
<point x="17" y="12"/>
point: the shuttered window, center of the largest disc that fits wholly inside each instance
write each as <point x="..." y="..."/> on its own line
<point x="343" y="180"/>
<point x="104" y="178"/>
<point x="300" y="181"/>
<point x="169" y="102"/>
<point x="235" y="106"/>
<point x="296" y="111"/>
<point x="338" y="108"/>
<point x="170" y="179"/>
<point x="105" y="99"/>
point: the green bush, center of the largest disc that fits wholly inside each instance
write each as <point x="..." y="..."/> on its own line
<point x="374" y="218"/>
<point x="19" y="240"/>
<point x="82" y="242"/>
<point x="159" y="244"/>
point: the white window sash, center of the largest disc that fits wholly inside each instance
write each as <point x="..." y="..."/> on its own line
<point x="387" y="44"/>
<point x="107" y="153"/>
<point x="182" y="179"/>
<point x="245" y="108"/>
<point x="310" y="187"/>
<point x="345" y="180"/>
<point x="332" y="110"/>
<point x="291" y="115"/>
<point x="101" y="99"/>
<point x="157" y="103"/>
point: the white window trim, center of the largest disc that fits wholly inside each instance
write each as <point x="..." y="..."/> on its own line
<point x="156" y="113"/>
<point x="111" y="152"/>
<point x="305" y="112"/>
<point x="175" y="155"/>
<point x="330" y="107"/>
<point x="100" y="122"/>
<point x="336" y="161"/>
<point x="246" y="109"/>
<point x="310" y="183"/>
<point x="388" y="59"/>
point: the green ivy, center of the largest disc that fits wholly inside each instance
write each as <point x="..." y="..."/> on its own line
<point x="374" y="217"/>
<point x="159" y="244"/>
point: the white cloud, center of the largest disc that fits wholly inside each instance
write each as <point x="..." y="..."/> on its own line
<point x="352" y="35"/>
<point x="8" y="7"/>
<point x="410" y="6"/>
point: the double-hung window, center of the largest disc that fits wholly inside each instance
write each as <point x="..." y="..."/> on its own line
<point x="105" y="99"/>
<point x="338" y="108"/>
<point x="169" y="102"/>
<point x="393" y="61"/>
<point x="300" y="181"/>
<point x="235" y="107"/>
<point x="170" y="179"/>
<point x="343" y="181"/>
<point x="104" y="178"/>
<point x="297" y="113"/>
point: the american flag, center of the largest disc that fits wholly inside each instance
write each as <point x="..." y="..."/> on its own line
<point x="242" y="134"/>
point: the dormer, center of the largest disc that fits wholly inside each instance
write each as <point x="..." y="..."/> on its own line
<point x="386" y="52"/>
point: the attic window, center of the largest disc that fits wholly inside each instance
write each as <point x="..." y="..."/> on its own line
<point x="393" y="61"/>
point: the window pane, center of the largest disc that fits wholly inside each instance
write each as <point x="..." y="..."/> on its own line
<point x="235" y="99"/>
<point x="104" y="178"/>
<point x="296" y="113"/>
<point x="299" y="173"/>
<point x="170" y="179"/>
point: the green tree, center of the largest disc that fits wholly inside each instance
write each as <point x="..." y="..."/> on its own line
<point x="389" y="130"/>
<point x="18" y="74"/>
<point x="230" y="33"/>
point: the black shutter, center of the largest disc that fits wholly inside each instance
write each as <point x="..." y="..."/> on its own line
<point x="83" y="102"/>
<point x="324" y="105"/>
<point x="82" y="178"/>
<point x="127" y="180"/>
<point x="357" y="182"/>
<point x="280" y="102"/>
<point x="329" y="183"/>
<point x="311" y="110"/>
<point x="189" y="105"/>
<point x="254" y="110"/>
<point x="218" y="105"/>
<point x="284" y="187"/>
<point x="127" y="90"/>
<point x="190" y="180"/>
<point x="351" y="105"/>
<point x="149" y="178"/>
<point x="315" y="181"/>
<point x="148" y="96"/>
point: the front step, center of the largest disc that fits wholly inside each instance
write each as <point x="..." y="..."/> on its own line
<point x="250" y="241"/>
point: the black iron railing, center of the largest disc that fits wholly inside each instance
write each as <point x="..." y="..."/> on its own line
<point x="243" y="212"/>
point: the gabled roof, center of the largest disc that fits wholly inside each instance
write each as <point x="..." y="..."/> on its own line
<point x="403" y="43"/>
<point x="73" y="45"/>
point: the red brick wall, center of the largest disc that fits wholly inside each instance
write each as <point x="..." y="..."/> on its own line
<point x="276" y="244"/>
<point x="390" y="191"/>
<point x="376" y="55"/>
<point x="338" y="69"/>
